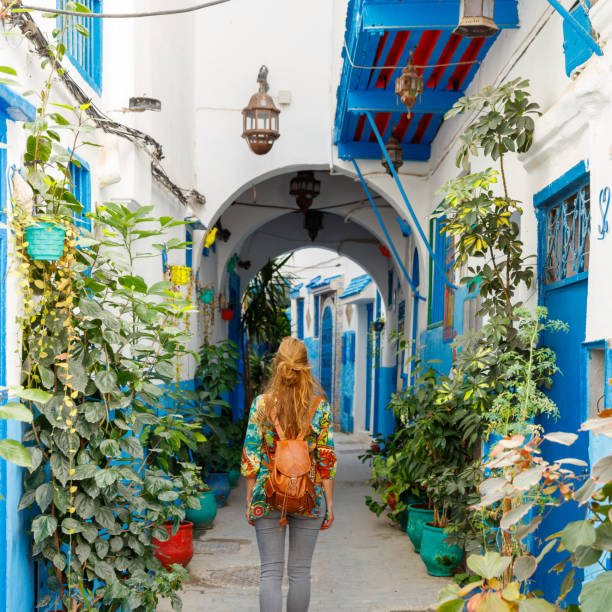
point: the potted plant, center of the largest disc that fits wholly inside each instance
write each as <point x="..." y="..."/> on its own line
<point x="45" y="240"/>
<point x="203" y="517"/>
<point x="378" y="325"/>
<point x="178" y="548"/>
<point x="440" y="554"/>
<point x="227" y="311"/>
<point x="180" y="275"/>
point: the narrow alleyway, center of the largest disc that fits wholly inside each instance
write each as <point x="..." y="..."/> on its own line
<point x="361" y="564"/>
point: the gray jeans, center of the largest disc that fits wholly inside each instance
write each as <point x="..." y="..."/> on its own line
<point x="303" y="534"/>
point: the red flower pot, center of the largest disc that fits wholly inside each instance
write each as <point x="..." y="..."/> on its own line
<point x="179" y="548"/>
<point x="227" y="314"/>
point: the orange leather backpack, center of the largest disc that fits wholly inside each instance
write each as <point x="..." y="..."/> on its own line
<point x="290" y="486"/>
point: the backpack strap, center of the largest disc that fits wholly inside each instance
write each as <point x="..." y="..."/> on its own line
<point x="277" y="425"/>
<point x="313" y="409"/>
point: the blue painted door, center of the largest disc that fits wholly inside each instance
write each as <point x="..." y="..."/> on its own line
<point x="327" y="351"/>
<point x="415" y="310"/>
<point x="564" y="227"/>
<point x="368" y="407"/>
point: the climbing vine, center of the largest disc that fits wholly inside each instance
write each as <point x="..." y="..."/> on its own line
<point x="100" y="346"/>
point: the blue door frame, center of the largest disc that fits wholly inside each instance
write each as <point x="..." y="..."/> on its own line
<point x="327" y="352"/>
<point x="415" y="313"/>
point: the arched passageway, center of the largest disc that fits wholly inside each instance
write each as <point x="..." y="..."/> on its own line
<point x="358" y="368"/>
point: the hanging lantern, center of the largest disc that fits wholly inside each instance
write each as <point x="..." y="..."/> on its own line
<point x="476" y="18"/>
<point x="409" y="85"/>
<point x="396" y="154"/>
<point x="313" y="222"/>
<point x="304" y="187"/>
<point x="260" y="118"/>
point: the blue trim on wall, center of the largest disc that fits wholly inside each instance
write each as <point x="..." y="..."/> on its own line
<point x="189" y="247"/>
<point x="566" y="182"/>
<point x="14" y="106"/>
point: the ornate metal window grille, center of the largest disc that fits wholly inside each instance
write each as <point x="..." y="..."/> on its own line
<point x="568" y="225"/>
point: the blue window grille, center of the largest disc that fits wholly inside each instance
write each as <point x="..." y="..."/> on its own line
<point x="444" y="254"/>
<point x="85" y="52"/>
<point x="575" y="49"/>
<point x="317" y="315"/>
<point x="566" y="241"/>
<point x="81" y="189"/>
<point x="300" y="318"/>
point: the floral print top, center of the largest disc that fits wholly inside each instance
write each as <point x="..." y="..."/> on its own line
<point x="257" y="443"/>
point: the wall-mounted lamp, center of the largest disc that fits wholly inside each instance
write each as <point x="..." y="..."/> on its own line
<point x="260" y="118"/>
<point x="396" y="154"/>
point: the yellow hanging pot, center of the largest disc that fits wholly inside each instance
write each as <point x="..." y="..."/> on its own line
<point x="180" y="275"/>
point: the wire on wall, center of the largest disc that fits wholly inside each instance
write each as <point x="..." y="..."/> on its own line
<point x="29" y="28"/>
<point x="166" y="12"/>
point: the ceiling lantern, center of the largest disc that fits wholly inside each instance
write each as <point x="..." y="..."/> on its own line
<point x="476" y="18"/>
<point x="409" y="85"/>
<point x="313" y="222"/>
<point x="396" y="154"/>
<point x="304" y="187"/>
<point x="260" y="118"/>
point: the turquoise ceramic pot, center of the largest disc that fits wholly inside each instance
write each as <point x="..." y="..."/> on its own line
<point x="219" y="484"/>
<point x="417" y="517"/>
<point x="204" y="517"/>
<point x="233" y="476"/>
<point x="409" y="500"/>
<point x="440" y="557"/>
<point x="45" y="241"/>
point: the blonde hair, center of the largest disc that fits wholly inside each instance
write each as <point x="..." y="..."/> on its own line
<point x="291" y="389"/>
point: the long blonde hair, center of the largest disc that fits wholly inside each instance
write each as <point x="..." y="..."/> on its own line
<point x="291" y="389"/>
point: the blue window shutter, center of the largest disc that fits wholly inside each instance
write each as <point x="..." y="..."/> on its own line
<point x="437" y="305"/>
<point x="81" y="189"/>
<point x="576" y="50"/>
<point x="85" y="52"/>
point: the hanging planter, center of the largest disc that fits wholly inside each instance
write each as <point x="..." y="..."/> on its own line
<point x="379" y="325"/>
<point x="180" y="275"/>
<point x="207" y="295"/>
<point x="45" y="241"/>
<point x="178" y="548"/>
<point x="227" y="314"/>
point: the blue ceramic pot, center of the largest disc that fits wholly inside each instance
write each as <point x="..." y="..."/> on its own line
<point x="203" y="517"/>
<point x="440" y="557"/>
<point x="219" y="484"/>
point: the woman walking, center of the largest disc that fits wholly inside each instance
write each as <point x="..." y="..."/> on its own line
<point x="289" y="464"/>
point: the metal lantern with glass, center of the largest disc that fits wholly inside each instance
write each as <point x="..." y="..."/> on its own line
<point x="409" y="86"/>
<point x="396" y="154"/>
<point x="477" y="18"/>
<point x="304" y="187"/>
<point x="260" y="118"/>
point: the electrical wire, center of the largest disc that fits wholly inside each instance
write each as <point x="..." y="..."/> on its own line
<point x="163" y="13"/>
<point x="381" y="67"/>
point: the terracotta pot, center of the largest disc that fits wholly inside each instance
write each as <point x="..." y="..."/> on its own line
<point x="179" y="548"/>
<point x="227" y="314"/>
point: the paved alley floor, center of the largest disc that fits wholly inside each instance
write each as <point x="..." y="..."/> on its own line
<point x="361" y="564"/>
